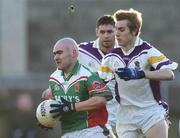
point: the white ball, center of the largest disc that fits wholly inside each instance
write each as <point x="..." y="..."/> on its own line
<point x="44" y="116"/>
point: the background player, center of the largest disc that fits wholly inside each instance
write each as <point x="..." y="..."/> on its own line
<point x="140" y="113"/>
<point x="91" y="54"/>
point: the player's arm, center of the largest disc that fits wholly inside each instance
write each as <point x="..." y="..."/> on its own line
<point x="91" y="103"/>
<point x="105" y="70"/>
<point x="67" y="107"/>
<point x="47" y="94"/>
<point x="161" y="74"/>
<point x="133" y="74"/>
<point x="99" y="93"/>
<point x="163" y="66"/>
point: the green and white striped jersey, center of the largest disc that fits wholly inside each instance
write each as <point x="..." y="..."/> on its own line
<point x="79" y="86"/>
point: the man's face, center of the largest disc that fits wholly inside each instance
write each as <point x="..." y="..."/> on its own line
<point x="106" y="34"/>
<point x="123" y="34"/>
<point x="62" y="57"/>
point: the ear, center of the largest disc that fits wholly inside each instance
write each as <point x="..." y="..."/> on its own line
<point x="135" y="32"/>
<point x="74" y="53"/>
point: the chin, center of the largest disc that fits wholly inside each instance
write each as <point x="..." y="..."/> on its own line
<point x="108" y="45"/>
<point x="59" y="68"/>
<point x="119" y="43"/>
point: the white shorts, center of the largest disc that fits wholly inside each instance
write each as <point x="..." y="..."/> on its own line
<point x="138" y="120"/>
<point x="112" y="107"/>
<point x="93" y="132"/>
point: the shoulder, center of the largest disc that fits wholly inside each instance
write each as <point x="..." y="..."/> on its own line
<point x="55" y="73"/>
<point x="85" y="45"/>
<point x="115" y="52"/>
<point x="85" y="71"/>
<point x="145" y="46"/>
<point x="150" y="49"/>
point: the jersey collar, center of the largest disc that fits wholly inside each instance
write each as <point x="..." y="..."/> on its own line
<point x="96" y="44"/>
<point x="138" y="42"/>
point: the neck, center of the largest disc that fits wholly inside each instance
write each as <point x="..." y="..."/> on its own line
<point x="68" y="70"/>
<point x="129" y="46"/>
<point x="106" y="49"/>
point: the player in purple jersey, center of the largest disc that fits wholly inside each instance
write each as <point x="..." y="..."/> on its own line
<point x="91" y="54"/>
<point x="130" y="64"/>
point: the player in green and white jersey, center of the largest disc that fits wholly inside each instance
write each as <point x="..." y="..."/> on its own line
<point x="91" y="54"/>
<point x="82" y="94"/>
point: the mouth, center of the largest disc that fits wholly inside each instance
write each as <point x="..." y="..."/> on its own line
<point x="58" y="63"/>
<point x="107" y="41"/>
<point x="119" y="40"/>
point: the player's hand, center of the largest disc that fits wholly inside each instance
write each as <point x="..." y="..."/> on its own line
<point x="44" y="127"/>
<point x="47" y="94"/>
<point x="61" y="108"/>
<point x="130" y="73"/>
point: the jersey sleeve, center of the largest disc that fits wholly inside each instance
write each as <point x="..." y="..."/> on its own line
<point x="97" y="87"/>
<point x="159" y="61"/>
<point x="106" y="68"/>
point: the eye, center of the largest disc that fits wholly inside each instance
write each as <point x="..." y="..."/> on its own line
<point x="102" y="32"/>
<point x="58" y="52"/>
<point x="110" y="31"/>
<point x="121" y="29"/>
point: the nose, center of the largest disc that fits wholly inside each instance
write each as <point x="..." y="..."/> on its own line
<point x="117" y="33"/>
<point x="55" y="57"/>
<point x="106" y="35"/>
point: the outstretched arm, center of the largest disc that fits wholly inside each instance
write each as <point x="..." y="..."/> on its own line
<point x="133" y="74"/>
<point x="162" y="74"/>
<point x="91" y="103"/>
<point x="66" y="106"/>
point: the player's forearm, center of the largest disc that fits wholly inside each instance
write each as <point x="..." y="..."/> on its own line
<point x="162" y="74"/>
<point x="92" y="103"/>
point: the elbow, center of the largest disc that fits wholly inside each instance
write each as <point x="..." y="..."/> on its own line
<point x="100" y="101"/>
<point x="171" y="75"/>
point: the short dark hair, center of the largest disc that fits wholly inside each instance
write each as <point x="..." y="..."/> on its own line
<point x="105" y="20"/>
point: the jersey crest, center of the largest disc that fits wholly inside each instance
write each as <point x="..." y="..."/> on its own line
<point x="76" y="87"/>
<point x="56" y="88"/>
<point x="137" y="65"/>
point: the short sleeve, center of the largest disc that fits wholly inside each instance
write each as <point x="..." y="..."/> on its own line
<point x="159" y="61"/>
<point x="97" y="87"/>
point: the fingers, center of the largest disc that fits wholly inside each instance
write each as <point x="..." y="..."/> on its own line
<point x="55" y="105"/>
<point x="121" y="69"/>
<point x="44" y="127"/>
<point x="63" y="100"/>
<point x="47" y="94"/>
<point x="54" y="110"/>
